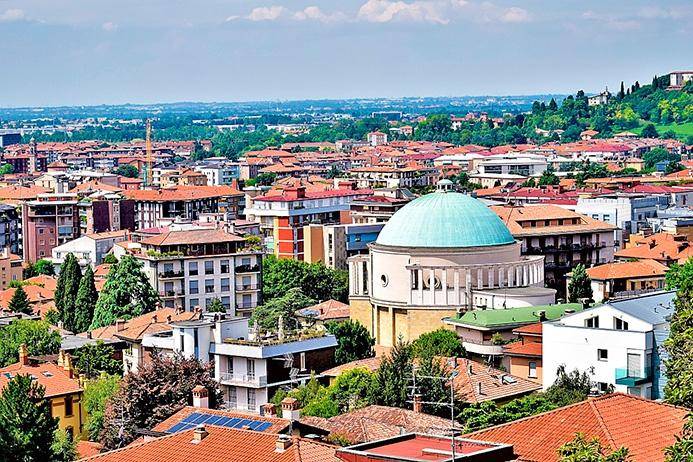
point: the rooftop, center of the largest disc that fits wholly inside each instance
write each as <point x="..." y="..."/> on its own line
<point x="627" y="269"/>
<point x="512" y="317"/>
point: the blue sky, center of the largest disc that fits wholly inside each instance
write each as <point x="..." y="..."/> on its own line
<point x="55" y="52"/>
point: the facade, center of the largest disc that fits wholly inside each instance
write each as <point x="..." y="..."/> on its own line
<point x="441" y="254"/>
<point x="679" y="79"/>
<point x="376" y="138"/>
<point x="220" y="174"/>
<point x="48" y="221"/>
<point x="379" y="207"/>
<point x="564" y="237"/>
<point x="191" y="268"/>
<point x="248" y="366"/>
<point x="11" y="268"/>
<point x="620" y="342"/>
<point x="523" y="358"/>
<point x="627" y="211"/>
<point x="334" y="244"/>
<point x="90" y="249"/>
<point x="283" y="217"/>
<point x="10" y="228"/>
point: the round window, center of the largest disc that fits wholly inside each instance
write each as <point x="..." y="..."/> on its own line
<point x="383" y="280"/>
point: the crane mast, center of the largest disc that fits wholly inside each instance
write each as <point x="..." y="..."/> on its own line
<point x="148" y="147"/>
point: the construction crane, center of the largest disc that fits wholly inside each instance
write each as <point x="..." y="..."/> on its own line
<point x="148" y="147"/>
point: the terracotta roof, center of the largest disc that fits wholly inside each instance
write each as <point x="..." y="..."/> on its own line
<point x="196" y="236"/>
<point x="326" y="311"/>
<point x="55" y="379"/>
<point x="316" y="195"/>
<point x="95" y="185"/>
<point x="181" y="193"/>
<point x="22" y="192"/>
<point x="221" y="444"/>
<point x="660" y="246"/>
<point x="644" y="427"/>
<point x="530" y="329"/>
<point x="514" y="216"/>
<point x="372" y="423"/>
<point x="628" y="269"/>
<point x="278" y="425"/>
<point x="136" y="327"/>
<point x="88" y="448"/>
<point x="521" y="348"/>
<point x="495" y="384"/>
<point x="35" y="294"/>
<point x="370" y="364"/>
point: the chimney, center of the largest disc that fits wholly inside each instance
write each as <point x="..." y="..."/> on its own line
<point x="290" y="410"/>
<point x="200" y="397"/>
<point x="478" y="388"/>
<point x="199" y="434"/>
<point x="269" y="410"/>
<point x="89" y="334"/>
<point x="120" y="325"/>
<point x="283" y="443"/>
<point x="67" y="366"/>
<point x="418" y="405"/>
<point x="23" y="354"/>
<point x="542" y="316"/>
<point x="155" y="319"/>
<point x="61" y="358"/>
<point x="168" y="319"/>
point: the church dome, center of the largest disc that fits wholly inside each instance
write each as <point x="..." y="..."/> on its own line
<point x="445" y="220"/>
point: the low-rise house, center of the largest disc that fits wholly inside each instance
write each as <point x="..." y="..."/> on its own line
<point x="369" y="364"/>
<point x="619" y="343"/>
<point x="484" y="332"/>
<point x="645" y="427"/>
<point x="625" y="279"/>
<point x="61" y="387"/>
<point x="11" y="268"/>
<point x="477" y="382"/>
<point x="523" y="358"/>
<point x="662" y="247"/>
<point x="329" y="310"/>
<point x="90" y="249"/>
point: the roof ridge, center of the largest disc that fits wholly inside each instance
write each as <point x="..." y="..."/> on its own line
<point x="602" y="424"/>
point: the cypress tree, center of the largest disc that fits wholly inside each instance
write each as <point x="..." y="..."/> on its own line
<point x="66" y="291"/>
<point x="85" y="301"/>
<point x="580" y="285"/>
<point x="19" y="303"/>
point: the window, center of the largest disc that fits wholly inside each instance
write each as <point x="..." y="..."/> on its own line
<point x="251" y="399"/>
<point x="226" y="302"/>
<point x="602" y="355"/>
<point x="250" y="364"/>
<point x="302" y="360"/>
<point x="168" y="268"/>
<point x="592" y="322"/>
<point x="225" y="285"/>
<point x="209" y="267"/>
<point x="532" y="370"/>
<point x="209" y="286"/>
<point x="68" y="406"/>
<point x="182" y="342"/>
<point x="194" y="303"/>
<point x="245" y="261"/>
<point x="194" y="289"/>
<point x="70" y="432"/>
<point x="229" y="364"/>
<point x="603" y="387"/>
<point x="225" y="266"/>
<point x="192" y="268"/>
<point x="620" y="324"/>
<point x="233" y="397"/>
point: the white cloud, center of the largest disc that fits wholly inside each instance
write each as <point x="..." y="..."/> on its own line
<point x="12" y="15"/>
<point x="515" y="14"/>
<point x="383" y="11"/>
<point x="232" y="18"/>
<point x="611" y="22"/>
<point x="313" y="13"/>
<point x="267" y="13"/>
<point x="109" y="26"/>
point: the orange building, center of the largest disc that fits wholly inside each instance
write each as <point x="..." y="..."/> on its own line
<point x="523" y="358"/>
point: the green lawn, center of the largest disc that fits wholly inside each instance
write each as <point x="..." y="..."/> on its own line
<point x="680" y="129"/>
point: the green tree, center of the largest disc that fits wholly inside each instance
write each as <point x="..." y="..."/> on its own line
<point x="97" y="392"/>
<point x="649" y="131"/>
<point x="440" y="342"/>
<point x="682" y="449"/>
<point x="42" y="266"/>
<point x="656" y="155"/>
<point x="19" y="303"/>
<point x="110" y="259"/>
<point x="154" y="393"/>
<point x="64" y="447"/>
<point x="66" y="291"/>
<point x="580" y="285"/>
<point x="85" y="302"/>
<point x="215" y="306"/>
<point x="353" y="341"/>
<point x="6" y="169"/>
<point x="393" y="377"/>
<point x="548" y="177"/>
<point x="27" y="428"/>
<point x="679" y="345"/>
<point x="128" y="171"/>
<point x="315" y="279"/>
<point x="126" y="294"/>
<point x="351" y="390"/>
<point x="267" y="315"/>
<point x="569" y="387"/>
<point x="97" y="358"/>
<point x="38" y="336"/>
<point x="581" y="449"/>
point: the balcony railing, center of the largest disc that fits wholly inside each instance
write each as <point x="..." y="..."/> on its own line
<point x="246" y="306"/>
<point x="247" y="268"/>
<point x="235" y="405"/>
<point x="228" y="378"/>
<point x="171" y="274"/>
<point x="242" y="287"/>
<point x="171" y="293"/>
<point x="633" y="378"/>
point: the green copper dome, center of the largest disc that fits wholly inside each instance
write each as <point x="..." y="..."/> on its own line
<point x="445" y="219"/>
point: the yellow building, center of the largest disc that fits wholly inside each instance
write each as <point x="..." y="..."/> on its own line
<point x="61" y="387"/>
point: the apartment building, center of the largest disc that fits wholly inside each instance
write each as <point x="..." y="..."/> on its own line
<point x="191" y="268"/>
<point x="160" y="207"/>
<point x="627" y="211"/>
<point x="620" y="343"/>
<point x="49" y="221"/>
<point x="220" y="174"/>
<point x="333" y="244"/>
<point x="566" y="238"/>
<point x="283" y="217"/>
<point x="11" y="268"/>
<point x="625" y="279"/>
<point x="90" y="249"/>
<point x="249" y="367"/>
<point x="10" y="228"/>
<point x="379" y="207"/>
<point x="392" y="176"/>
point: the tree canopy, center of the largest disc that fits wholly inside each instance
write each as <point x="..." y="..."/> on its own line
<point x="580" y="285"/>
<point x="440" y="342"/>
<point x="314" y="279"/>
<point x="19" y="303"/>
<point x="580" y="449"/>
<point x="85" y="302"/>
<point x="38" y="336"/>
<point x="66" y="291"/>
<point x="267" y="315"/>
<point x="353" y="341"/>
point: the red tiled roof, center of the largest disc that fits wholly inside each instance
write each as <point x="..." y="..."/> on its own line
<point x="136" y="327"/>
<point x="523" y="349"/>
<point x="277" y="424"/>
<point x="629" y="269"/>
<point x="316" y="195"/>
<point x="370" y="364"/>
<point x="88" y="448"/>
<point x="53" y="378"/>
<point x="327" y="310"/>
<point x="644" y="427"/>
<point x="180" y="193"/>
<point x="196" y="236"/>
<point x="476" y="382"/>
<point x="220" y="445"/>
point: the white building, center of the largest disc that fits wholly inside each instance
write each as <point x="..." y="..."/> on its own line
<point x="89" y="249"/>
<point x="619" y="343"/>
<point x="249" y="367"/>
<point x="376" y="138"/>
<point x="220" y="174"/>
<point x="627" y="211"/>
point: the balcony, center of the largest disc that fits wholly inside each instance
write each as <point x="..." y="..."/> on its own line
<point x="171" y="293"/>
<point x="172" y="275"/>
<point x="633" y="378"/>
<point x="246" y="306"/>
<point x="236" y="406"/>
<point x="246" y="287"/>
<point x="257" y="381"/>
<point x="482" y="348"/>
<point x="247" y="268"/>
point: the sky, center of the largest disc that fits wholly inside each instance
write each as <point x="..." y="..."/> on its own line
<point x="82" y="52"/>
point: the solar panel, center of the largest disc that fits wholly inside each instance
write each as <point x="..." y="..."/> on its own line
<point x="197" y="418"/>
<point x="263" y="426"/>
<point x="178" y="427"/>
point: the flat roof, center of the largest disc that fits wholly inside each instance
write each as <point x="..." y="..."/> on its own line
<point x="511" y="317"/>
